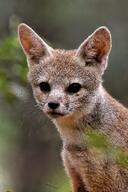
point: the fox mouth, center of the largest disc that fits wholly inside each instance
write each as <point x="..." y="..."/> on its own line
<point x="54" y="114"/>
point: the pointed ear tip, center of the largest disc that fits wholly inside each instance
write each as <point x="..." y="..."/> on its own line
<point x="22" y="27"/>
<point x="105" y="32"/>
<point x="104" y="29"/>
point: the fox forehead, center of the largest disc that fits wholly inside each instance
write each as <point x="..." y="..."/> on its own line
<point x="63" y="68"/>
<point x="62" y="64"/>
<point x="62" y="61"/>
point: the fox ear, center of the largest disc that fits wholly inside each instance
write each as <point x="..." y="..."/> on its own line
<point x="33" y="46"/>
<point x="96" y="48"/>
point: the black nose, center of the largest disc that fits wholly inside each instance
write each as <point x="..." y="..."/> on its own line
<point x="53" y="105"/>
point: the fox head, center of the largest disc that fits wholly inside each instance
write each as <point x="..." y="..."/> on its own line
<point x="66" y="81"/>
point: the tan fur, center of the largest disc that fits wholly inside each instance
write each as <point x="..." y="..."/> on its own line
<point x="89" y="108"/>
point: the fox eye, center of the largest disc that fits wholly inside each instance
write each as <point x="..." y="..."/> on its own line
<point x="44" y="87"/>
<point x="73" y="88"/>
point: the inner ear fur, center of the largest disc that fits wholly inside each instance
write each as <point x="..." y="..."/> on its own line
<point x="33" y="46"/>
<point x="96" y="48"/>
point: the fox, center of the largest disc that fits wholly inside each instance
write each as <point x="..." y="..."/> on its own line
<point x="67" y="86"/>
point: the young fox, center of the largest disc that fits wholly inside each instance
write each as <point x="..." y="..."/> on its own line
<point x="67" y="85"/>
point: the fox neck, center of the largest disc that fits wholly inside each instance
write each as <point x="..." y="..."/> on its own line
<point x="72" y="128"/>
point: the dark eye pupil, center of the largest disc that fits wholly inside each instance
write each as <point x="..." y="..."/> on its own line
<point x="44" y="86"/>
<point x="74" y="88"/>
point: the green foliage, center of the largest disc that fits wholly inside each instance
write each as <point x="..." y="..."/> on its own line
<point x="59" y="182"/>
<point x="96" y="139"/>
<point x="13" y="66"/>
<point x="7" y="131"/>
<point x="12" y="76"/>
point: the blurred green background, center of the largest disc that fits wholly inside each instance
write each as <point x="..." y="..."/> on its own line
<point x="29" y="144"/>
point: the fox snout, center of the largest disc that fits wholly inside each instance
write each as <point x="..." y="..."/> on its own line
<point x="53" y="110"/>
